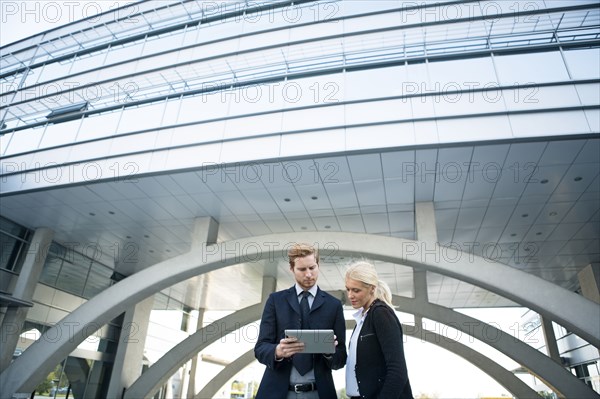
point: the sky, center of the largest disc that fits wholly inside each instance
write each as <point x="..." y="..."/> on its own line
<point x="432" y="370"/>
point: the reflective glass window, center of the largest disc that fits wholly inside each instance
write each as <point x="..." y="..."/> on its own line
<point x="378" y="111"/>
<point x="589" y="93"/>
<point x="583" y="64"/>
<point x="549" y="123"/>
<point x="54" y="70"/>
<point x="171" y="111"/>
<point x="466" y="74"/>
<point x="98" y="280"/>
<point x="133" y="143"/>
<point x="53" y="264"/>
<point x="157" y="44"/>
<point x="198" y="133"/>
<point x="203" y="107"/>
<point x="127" y="52"/>
<point x="313" y="118"/>
<point x="374" y="83"/>
<point x="25" y="140"/>
<point x="73" y="273"/>
<point x="89" y="61"/>
<point x="478" y="128"/>
<point x="60" y="133"/>
<point x="144" y="117"/>
<point x="254" y="125"/>
<point x="32" y="76"/>
<point x="99" y="125"/>
<point x="520" y="69"/>
<point x="541" y="97"/>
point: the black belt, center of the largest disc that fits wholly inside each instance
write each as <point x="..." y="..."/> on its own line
<point x="307" y="387"/>
<point x="354" y="397"/>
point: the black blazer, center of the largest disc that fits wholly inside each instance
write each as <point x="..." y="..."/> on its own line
<point x="380" y="365"/>
<point x="282" y="311"/>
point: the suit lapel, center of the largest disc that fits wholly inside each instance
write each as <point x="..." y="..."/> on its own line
<point x="319" y="300"/>
<point x="292" y="299"/>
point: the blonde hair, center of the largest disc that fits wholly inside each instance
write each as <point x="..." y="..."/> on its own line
<point x="365" y="272"/>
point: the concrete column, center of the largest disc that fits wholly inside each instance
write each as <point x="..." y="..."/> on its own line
<point x="191" y="392"/>
<point x="204" y="232"/>
<point x="551" y="345"/>
<point x="425" y="222"/>
<point x="12" y="324"/>
<point x="589" y="280"/>
<point x="130" y="351"/>
<point x="427" y="232"/>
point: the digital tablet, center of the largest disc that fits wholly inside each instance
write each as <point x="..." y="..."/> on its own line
<point x="315" y="341"/>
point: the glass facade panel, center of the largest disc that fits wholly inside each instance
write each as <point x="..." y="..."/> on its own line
<point x="25" y="140"/>
<point x="377" y="83"/>
<point x="198" y="133"/>
<point x="203" y="107"/>
<point x="60" y="133"/>
<point x="313" y="118"/>
<point x="527" y="98"/>
<point x="98" y="280"/>
<point x="549" y="123"/>
<point x="254" y="125"/>
<point x="144" y="117"/>
<point x="469" y="74"/>
<point x="583" y="63"/>
<point x="100" y="125"/>
<point x="89" y="61"/>
<point x="522" y="69"/>
<point x="55" y="70"/>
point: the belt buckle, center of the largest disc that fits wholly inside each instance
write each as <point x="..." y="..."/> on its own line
<point x="296" y="388"/>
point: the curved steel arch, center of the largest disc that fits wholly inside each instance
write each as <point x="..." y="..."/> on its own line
<point x="36" y="362"/>
<point x="557" y="377"/>
<point x="504" y="377"/>
<point x="165" y="367"/>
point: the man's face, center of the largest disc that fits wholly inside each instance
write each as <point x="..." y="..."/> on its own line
<point x="306" y="271"/>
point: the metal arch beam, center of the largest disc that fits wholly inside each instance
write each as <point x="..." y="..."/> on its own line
<point x="553" y="374"/>
<point x="541" y="365"/>
<point x="225" y="375"/>
<point x="558" y="304"/>
<point x="504" y="377"/>
<point x="166" y="366"/>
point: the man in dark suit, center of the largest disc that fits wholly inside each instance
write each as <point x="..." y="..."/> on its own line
<point x="289" y="374"/>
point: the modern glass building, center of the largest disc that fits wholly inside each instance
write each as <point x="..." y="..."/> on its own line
<point x="157" y="159"/>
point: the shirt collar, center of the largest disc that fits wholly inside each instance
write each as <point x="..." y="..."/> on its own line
<point x="358" y="315"/>
<point x="313" y="290"/>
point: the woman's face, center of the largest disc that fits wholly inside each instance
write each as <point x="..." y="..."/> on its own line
<point x="359" y="294"/>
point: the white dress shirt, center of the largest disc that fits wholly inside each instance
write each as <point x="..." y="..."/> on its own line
<point x="351" y="382"/>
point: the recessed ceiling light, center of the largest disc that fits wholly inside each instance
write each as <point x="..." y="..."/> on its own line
<point x="92" y="214"/>
<point x="303" y="227"/>
<point x="151" y="251"/>
<point x="578" y="178"/>
<point x="287" y="199"/>
<point x="146" y="236"/>
<point x="127" y="237"/>
<point x="524" y="215"/>
<point x="327" y="226"/>
<point x="111" y="212"/>
<point x="539" y="233"/>
<point x="314" y="197"/>
<point x="513" y="234"/>
<point x="553" y="214"/>
<point x="544" y="181"/>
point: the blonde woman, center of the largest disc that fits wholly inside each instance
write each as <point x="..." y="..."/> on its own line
<point x="376" y="367"/>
